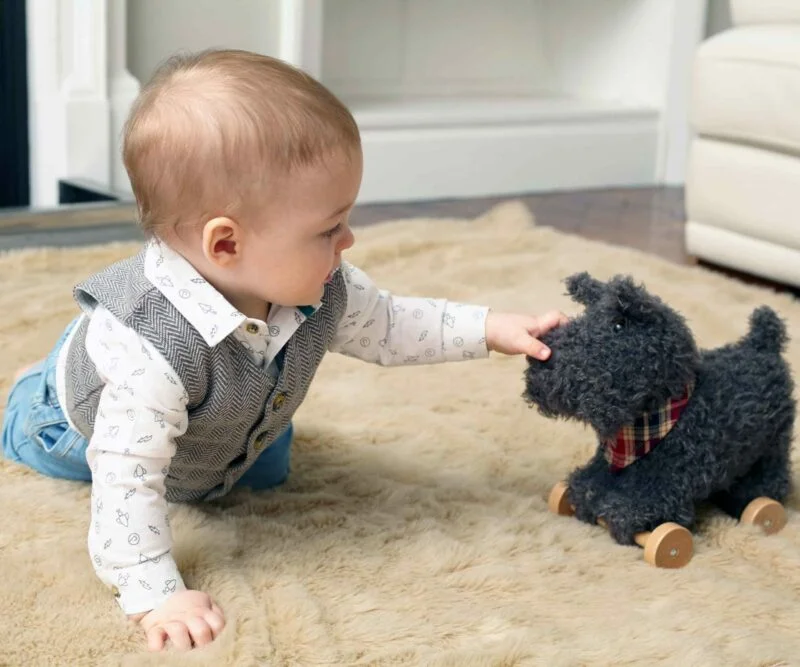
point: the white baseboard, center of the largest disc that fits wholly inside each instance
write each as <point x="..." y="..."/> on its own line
<point x="436" y="163"/>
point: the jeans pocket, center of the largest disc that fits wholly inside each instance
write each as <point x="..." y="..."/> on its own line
<point x="57" y="439"/>
<point x="53" y="448"/>
<point x="46" y="425"/>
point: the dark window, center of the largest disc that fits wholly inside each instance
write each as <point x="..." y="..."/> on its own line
<point x="14" y="156"/>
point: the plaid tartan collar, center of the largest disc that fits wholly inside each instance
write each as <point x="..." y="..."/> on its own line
<point x="636" y="440"/>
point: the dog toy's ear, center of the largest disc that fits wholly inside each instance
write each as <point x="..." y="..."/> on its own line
<point x="632" y="299"/>
<point x="584" y="289"/>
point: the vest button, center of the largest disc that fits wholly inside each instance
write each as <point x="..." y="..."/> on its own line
<point x="278" y="401"/>
<point x="251" y="327"/>
<point x="258" y="445"/>
<point x="115" y="591"/>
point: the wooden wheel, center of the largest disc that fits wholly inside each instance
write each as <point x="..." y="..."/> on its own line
<point x="558" y="503"/>
<point x="668" y="546"/>
<point x="766" y="513"/>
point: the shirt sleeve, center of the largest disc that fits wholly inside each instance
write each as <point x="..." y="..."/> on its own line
<point x="391" y="330"/>
<point x="142" y="410"/>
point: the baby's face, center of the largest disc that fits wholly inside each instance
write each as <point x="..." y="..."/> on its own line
<point x="297" y="240"/>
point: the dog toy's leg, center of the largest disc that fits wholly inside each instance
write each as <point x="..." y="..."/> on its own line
<point x="765" y="512"/>
<point x="668" y="546"/>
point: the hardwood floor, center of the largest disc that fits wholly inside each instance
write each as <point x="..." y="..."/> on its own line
<point x="649" y="219"/>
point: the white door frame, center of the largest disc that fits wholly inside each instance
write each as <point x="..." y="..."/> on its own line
<point x="79" y="93"/>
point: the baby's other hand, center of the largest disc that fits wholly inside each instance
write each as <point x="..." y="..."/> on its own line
<point x="187" y="618"/>
<point x="510" y="333"/>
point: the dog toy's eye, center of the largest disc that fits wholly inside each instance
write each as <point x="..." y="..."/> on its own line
<point x="619" y="325"/>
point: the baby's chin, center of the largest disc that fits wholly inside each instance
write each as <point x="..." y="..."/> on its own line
<point x="310" y="296"/>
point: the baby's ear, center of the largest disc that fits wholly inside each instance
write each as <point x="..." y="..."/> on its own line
<point x="584" y="289"/>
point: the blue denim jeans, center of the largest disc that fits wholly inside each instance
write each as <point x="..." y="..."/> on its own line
<point x="37" y="434"/>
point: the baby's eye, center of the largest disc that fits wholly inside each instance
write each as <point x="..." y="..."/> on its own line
<point x="332" y="231"/>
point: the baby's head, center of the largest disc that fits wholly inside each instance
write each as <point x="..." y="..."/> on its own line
<point x="249" y="168"/>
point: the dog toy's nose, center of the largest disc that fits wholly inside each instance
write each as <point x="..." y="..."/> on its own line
<point x="551" y="360"/>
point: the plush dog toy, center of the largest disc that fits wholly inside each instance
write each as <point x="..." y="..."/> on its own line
<point x="675" y="425"/>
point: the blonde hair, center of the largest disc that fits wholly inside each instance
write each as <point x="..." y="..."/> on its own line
<point x="209" y="131"/>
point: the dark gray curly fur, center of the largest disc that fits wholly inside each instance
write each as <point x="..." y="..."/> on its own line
<point x="627" y="353"/>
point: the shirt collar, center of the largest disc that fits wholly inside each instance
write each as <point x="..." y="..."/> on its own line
<point x="210" y="313"/>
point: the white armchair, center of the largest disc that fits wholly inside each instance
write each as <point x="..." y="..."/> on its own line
<point x="743" y="179"/>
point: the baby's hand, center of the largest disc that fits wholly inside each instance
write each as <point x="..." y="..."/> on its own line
<point x="509" y="333"/>
<point x="187" y="618"/>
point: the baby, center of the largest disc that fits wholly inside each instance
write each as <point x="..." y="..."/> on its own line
<point x="179" y="379"/>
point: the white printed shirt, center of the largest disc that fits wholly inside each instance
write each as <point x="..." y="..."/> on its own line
<point x="138" y="419"/>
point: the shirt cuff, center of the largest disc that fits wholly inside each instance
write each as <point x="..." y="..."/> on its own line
<point x="464" y="332"/>
<point x="145" y="586"/>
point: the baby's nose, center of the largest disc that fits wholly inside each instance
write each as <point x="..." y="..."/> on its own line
<point x="346" y="241"/>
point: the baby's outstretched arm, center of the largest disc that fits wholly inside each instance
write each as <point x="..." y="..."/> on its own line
<point x="392" y="330"/>
<point x="142" y="409"/>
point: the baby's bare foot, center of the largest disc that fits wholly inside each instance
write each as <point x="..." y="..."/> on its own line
<point x="24" y="370"/>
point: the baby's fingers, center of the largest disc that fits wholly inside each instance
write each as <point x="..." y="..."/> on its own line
<point x="156" y="636"/>
<point x="533" y="347"/>
<point x="179" y="635"/>
<point x="217" y="610"/>
<point x="199" y="630"/>
<point x="551" y="320"/>
<point x="215" y="621"/>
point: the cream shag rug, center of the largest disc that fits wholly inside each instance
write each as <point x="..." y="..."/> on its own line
<point x="414" y="528"/>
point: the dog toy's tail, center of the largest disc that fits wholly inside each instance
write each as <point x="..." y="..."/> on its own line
<point x="767" y="331"/>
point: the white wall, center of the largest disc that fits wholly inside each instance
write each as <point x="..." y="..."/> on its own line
<point x="440" y="47"/>
<point x="606" y="49"/>
<point x="157" y="28"/>
<point x="613" y="49"/>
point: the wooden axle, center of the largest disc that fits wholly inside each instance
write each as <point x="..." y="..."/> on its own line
<point x="670" y="545"/>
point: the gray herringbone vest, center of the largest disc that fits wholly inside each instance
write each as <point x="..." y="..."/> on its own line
<point x="234" y="406"/>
